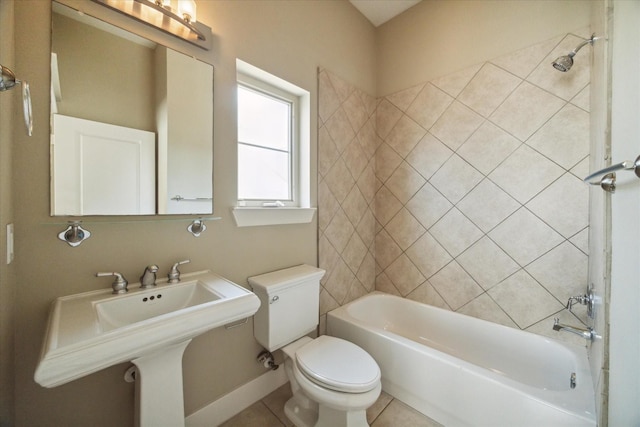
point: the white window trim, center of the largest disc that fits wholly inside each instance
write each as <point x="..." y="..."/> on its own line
<point x="303" y="212"/>
<point x="274" y="92"/>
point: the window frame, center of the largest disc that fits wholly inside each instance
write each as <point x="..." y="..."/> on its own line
<point x="301" y="212"/>
<point x="274" y="92"/>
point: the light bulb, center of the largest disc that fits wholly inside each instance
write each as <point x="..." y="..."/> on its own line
<point x="187" y="9"/>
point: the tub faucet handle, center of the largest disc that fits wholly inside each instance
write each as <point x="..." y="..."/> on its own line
<point x="578" y="299"/>
<point x="174" y="273"/>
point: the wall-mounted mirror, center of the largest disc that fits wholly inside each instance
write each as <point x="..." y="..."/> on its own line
<point x="131" y="125"/>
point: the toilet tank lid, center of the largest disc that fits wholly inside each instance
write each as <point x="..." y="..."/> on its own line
<point x="281" y="279"/>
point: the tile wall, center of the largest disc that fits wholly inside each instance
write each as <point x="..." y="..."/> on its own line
<point x="464" y="192"/>
<point x="347" y="144"/>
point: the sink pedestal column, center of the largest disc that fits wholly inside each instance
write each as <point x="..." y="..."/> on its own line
<point x="159" y="397"/>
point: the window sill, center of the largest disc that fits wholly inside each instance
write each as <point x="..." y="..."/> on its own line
<point x="256" y="216"/>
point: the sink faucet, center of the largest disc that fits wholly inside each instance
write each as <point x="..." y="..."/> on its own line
<point x="119" y="285"/>
<point x="174" y="274"/>
<point x="588" y="334"/>
<point x="148" y="278"/>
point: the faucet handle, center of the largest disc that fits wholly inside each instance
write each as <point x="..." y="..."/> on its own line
<point x="119" y="285"/>
<point x="578" y="299"/>
<point x="174" y="273"/>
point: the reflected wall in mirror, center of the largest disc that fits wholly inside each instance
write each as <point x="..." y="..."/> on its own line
<point x="131" y="126"/>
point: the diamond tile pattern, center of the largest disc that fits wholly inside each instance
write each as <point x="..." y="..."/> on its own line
<point x="347" y="145"/>
<point x="525" y="173"/>
<point x="463" y="192"/>
<point x="525" y="237"/>
<point x="488" y="88"/>
<point x="565" y="138"/>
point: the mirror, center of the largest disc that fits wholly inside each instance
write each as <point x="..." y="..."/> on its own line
<point x="131" y="125"/>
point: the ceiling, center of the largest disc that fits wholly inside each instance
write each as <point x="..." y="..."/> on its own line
<point x="380" y="11"/>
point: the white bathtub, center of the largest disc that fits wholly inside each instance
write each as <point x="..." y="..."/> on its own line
<point x="463" y="371"/>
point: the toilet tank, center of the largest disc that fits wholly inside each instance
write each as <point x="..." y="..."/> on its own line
<point x="289" y="305"/>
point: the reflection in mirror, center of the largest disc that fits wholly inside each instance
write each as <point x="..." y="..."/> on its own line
<point x="132" y="123"/>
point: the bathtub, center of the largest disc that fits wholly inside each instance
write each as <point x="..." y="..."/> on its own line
<point x="463" y="371"/>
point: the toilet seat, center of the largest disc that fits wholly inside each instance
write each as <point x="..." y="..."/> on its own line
<point x="338" y="365"/>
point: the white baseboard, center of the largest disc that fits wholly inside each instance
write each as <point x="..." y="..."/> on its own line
<point x="239" y="399"/>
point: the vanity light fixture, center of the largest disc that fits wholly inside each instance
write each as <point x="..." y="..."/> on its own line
<point x="175" y="17"/>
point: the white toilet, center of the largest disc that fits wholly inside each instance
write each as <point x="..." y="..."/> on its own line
<point x="333" y="381"/>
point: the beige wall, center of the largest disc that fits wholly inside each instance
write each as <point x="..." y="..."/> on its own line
<point x="289" y="39"/>
<point x="435" y="38"/>
<point x="7" y="272"/>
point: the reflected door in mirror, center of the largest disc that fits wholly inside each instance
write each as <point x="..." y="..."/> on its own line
<point x="102" y="169"/>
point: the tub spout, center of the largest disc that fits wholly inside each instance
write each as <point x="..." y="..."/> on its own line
<point x="588" y="334"/>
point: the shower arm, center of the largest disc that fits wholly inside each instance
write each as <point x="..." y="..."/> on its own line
<point x="583" y="44"/>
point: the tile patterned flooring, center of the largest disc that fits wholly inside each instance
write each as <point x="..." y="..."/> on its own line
<point x="386" y="412"/>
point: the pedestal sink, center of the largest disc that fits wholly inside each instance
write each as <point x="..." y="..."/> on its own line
<point x="150" y="327"/>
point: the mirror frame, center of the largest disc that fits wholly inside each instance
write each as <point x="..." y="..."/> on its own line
<point x="129" y="24"/>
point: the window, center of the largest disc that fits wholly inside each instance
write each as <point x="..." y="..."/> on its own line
<point x="273" y="150"/>
<point x="267" y="145"/>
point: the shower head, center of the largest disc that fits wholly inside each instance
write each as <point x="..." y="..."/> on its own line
<point x="564" y="63"/>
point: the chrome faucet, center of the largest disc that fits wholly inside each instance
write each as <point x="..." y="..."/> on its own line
<point x="174" y="273"/>
<point x="119" y="285"/>
<point x="588" y="334"/>
<point x="148" y="278"/>
<point x="578" y="299"/>
<point x="588" y="299"/>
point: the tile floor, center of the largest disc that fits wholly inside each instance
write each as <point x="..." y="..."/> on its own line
<point x="386" y="412"/>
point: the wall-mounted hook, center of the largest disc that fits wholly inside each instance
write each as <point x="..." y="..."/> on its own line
<point x="196" y="227"/>
<point x="7" y="81"/>
<point x="74" y="234"/>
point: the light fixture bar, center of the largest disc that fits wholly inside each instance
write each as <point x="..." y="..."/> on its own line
<point x="170" y="14"/>
<point x="155" y="15"/>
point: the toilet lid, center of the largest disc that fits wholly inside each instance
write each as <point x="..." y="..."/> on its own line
<point x="338" y="365"/>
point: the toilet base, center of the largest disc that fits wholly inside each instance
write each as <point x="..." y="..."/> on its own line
<point x="300" y="415"/>
<point x="324" y="416"/>
<point x="329" y="417"/>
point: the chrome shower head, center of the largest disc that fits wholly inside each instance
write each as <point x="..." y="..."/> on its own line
<point x="564" y="63"/>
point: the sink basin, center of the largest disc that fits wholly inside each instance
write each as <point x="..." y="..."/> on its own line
<point x="122" y="311"/>
<point x="94" y="330"/>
